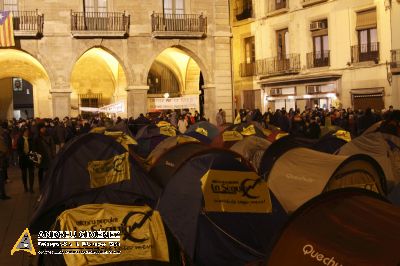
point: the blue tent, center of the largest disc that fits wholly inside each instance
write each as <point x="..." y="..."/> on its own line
<point x="68" y="183"/>
<point x="209" y="236"/>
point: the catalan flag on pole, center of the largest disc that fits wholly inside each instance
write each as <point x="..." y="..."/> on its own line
<point x="6" y="29"/>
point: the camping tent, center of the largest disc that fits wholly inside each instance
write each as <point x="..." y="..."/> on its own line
<point x="150" y="136"/>
<point x="343" y="227"/>
<point x="301" y="174"/>
<point x="236" y="132"/>
<point x="220" y="211"/>
<point x="92" y="168"/>
<point x="273" y="152"/>
<point x="167" y="144"/>
<point x="143" y="239"/>
<point x="206" y="128"/>
<point x="384" y="148"/>
<point x="252" y="149"/>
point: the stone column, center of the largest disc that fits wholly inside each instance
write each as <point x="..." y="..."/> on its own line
<point x="137" y="100"/>
<point x="210" y="108"/>
<point x="61" y="101"/>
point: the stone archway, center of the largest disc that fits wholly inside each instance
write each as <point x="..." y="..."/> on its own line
<point x="187" y="73"/>
<point x="97" y="79"/>
<point x="16" y="63"/>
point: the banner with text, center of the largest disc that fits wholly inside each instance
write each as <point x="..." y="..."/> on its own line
<point x="233" y="191"/>
<point x="111" y="171"/>
<point x="187" y="102"/>
<point x="141" y="230"/>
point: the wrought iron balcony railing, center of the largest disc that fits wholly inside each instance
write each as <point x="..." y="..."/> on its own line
<point x="290" y="64"/>
<point x="178" y="25"/>
<point x="365" y="52"/>
<point x="395" y="61"/>
<point x="100" y="24"/>
<point x="318" y="59"/>
<point x="247" y="69"/>
<point x="28" y="23"/>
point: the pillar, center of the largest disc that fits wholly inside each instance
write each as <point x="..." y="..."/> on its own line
<point x="210" y="107"/>
<point x="61" y="101"/>
<point x="137" y="100"/>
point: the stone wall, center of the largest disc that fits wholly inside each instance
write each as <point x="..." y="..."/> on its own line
<point x="58" y="51"/>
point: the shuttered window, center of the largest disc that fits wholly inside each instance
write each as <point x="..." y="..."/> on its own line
<point x="366" y="19"/>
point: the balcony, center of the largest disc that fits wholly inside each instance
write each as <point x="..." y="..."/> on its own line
<point x="28" y="24"/>
<point x="365" y="53"/>
<point x="277" y="7"/>
<point x="247" y="69"/>
<point x="318" y="59"/>
<point x="307" y="3"/>
<point x="99" y="24"/>
<point x="395" y="62"/>
<point x="278" y="66"/>
<point x="184" y="26"/>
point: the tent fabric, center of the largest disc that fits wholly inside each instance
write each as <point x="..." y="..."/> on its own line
<point x="373" y="128"/>
<point x="243" y="130"/>
<point x="273" y="153"/>
<point x="68" y="184"/>
<point x="212" y="130"/>
<point x="343" y="227"/>
<point x="215" y="238"/>
<point x="384" y="148"/>
<point x="301" y="174"/>
<point x="166" y="165"/>
<point x="252" y="149"/>
<point x="200" y="137"/>
<point x="149" y="136"/>
<point x="175" y="254"/>
<point x="167" y="144"/>
<point x="394" y="195"/>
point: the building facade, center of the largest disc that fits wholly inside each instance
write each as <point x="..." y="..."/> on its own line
<point x="83" y="54"/>
<point x="307" y="53"/>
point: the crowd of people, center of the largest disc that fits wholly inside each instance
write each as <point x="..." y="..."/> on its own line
<point x="33" y="143"/>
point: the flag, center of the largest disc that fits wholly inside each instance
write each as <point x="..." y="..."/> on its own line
<point x="6" y="29"/>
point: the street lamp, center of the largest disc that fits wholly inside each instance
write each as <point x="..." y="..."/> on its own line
<point x="166" y="95"/>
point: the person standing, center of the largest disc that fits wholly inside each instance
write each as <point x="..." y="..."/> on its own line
<point x="44" y="145"/>
<point x="182" y="124"/>
<point x="24" y="147"/>
<point x="220" y="118"/>
<point x="3" y="166"/>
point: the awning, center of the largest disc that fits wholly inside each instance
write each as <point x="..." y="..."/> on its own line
<point x="299" y="79"/>
<point x="368" y="91"/>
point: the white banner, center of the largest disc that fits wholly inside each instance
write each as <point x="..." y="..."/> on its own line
<point x="188" y="102"/>
<point x="89" y="109"/>
<point x="114" y="108"/>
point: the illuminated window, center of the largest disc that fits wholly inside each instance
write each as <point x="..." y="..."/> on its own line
<point x="174" y="6"/>
<point x="9" y="5"/>
<point x="95" y="5"/>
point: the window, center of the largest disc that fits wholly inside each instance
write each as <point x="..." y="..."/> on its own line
<point x="250" y="50"/>
<point x="244" y="9"/>
<point x="279" y="4"/>
<point x="9" y="5"/>
<point x="174" y="6"/>
<point x="368" y="46"/>
<point x="95" y="5"/>
<point x="282" y="37"/>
